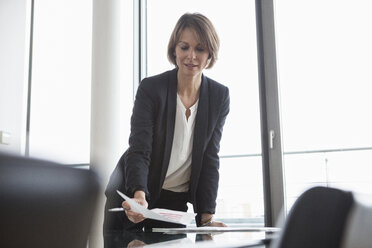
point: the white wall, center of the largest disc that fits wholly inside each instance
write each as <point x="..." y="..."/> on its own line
<point x="106" y="144"/>
<point x="14" y="38"/>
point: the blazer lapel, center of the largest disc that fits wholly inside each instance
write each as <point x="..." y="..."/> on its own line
<point x="171" y="116"/>
<point x="200" y="134"/>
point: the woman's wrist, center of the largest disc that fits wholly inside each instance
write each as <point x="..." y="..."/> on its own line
<point x="206" y="219"/>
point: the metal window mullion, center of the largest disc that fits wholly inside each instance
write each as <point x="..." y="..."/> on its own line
<point x="29" y="81"/>
<point x="272" y="156"/>
<point x="139" y="43"/>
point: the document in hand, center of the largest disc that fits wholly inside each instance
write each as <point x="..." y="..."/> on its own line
<point x="161" y="214"/>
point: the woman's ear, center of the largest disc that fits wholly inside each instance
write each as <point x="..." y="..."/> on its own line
<point x="208" y="62"/>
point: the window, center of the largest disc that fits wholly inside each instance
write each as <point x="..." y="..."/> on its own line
<point x="240" y="195"/>
<point x="323" y="59"/>
<point x="61" y="79"/>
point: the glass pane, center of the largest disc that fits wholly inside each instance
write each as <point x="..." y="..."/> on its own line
<point x="240" y="194"/>
<point x="61" y="78"/>
<point x="324" y="56"/>
<point x="235" y="68"/>
<point x="237" y="55"/>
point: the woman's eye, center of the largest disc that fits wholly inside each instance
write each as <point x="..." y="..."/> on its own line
<point x="184" y="48"/>
<point x="200" y="49"/>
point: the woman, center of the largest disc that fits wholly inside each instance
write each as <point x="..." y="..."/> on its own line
<point x="176" y="128"/>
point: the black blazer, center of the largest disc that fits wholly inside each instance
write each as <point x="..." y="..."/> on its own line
<point x="144" y="165"/>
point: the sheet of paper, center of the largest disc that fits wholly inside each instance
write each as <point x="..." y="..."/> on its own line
<point x="161" y="214"/>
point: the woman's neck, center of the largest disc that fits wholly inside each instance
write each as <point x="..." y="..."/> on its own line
<point x="188" y="89"/>
<point x="188" y="86"/>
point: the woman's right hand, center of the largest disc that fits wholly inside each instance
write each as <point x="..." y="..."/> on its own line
<point x="140" y="198"/>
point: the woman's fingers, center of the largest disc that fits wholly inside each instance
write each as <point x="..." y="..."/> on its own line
<point x="125" y="205"/>
<point x="218" y="224"/>
<point x="132" y="216"/>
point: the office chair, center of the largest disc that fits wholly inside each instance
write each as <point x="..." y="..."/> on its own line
<point x="45" y="204"/>
<point x="317" y="219"/>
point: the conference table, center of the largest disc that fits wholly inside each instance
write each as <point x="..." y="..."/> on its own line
<point x="193" y="237"/>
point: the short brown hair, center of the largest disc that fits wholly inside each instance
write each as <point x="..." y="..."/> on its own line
<point x="203" y="28"/>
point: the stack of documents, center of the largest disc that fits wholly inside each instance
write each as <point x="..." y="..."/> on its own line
<point x="161" y="214"/>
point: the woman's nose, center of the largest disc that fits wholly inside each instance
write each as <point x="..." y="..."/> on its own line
<point x="192" y="54"/>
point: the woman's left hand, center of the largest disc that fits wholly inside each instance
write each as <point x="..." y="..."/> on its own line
<point x="217" y="224"/>
<point x="207" y="220"/>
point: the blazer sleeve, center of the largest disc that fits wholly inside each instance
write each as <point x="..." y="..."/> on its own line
<point x="206" y="193"/>
<point x="140" y="140"/>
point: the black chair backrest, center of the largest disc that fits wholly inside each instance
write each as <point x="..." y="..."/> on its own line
<point x="45" y="204"/>
<point x="317" y="219"/>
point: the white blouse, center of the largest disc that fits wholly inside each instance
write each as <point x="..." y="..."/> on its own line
<point x="179" y="168"/>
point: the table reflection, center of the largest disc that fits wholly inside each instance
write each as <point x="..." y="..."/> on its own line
<point x="115" y="239"/>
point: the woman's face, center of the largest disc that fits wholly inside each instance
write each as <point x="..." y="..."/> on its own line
<point x="191" y="56"/>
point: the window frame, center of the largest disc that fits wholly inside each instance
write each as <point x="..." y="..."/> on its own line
<point x="272" y="158"/>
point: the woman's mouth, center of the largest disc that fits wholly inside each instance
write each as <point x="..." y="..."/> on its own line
<point x="190" y="66"/>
